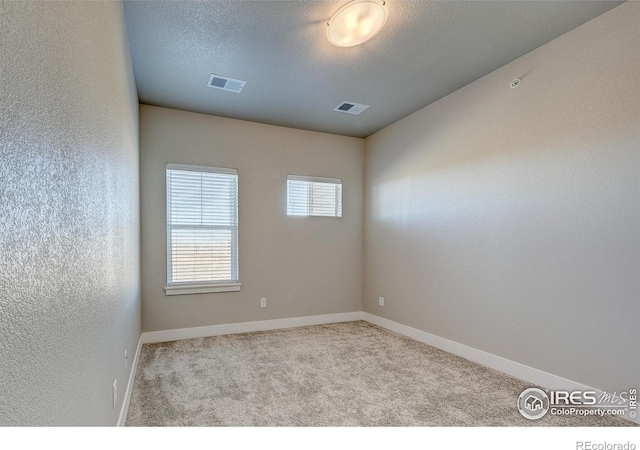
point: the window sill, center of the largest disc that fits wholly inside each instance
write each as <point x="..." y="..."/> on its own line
<point x="202" y="288"/>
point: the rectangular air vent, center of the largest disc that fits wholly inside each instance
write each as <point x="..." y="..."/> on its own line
<point x="350" y="108"/>
<point x="225" y="83"/>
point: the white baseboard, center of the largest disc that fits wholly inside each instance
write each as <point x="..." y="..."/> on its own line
<point x="507" y="366"/>
<point x="246" y="327"/>
<point x="127" y="395"/>
<point x="517" y="370"/>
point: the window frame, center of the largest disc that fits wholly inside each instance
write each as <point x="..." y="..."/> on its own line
<point x="311" y="179"/>
<point x="204" y="286"/>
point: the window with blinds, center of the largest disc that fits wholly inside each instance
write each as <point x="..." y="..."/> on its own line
<point x="314" y="196"/>
<point x="202" y="226"/>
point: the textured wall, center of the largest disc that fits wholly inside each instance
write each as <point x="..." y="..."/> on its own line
<point x="507" y="219"/>
<point x="302" y="265"/>
<point x="69" y="212"/>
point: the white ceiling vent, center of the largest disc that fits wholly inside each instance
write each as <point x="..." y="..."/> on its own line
<point x="350" y="108"/>
<point x="225" y="83"/>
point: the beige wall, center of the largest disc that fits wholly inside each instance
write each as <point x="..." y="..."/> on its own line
<point x="303" y="266"/>
<point x="508" y="219"/>
<point x="69" y="212"/>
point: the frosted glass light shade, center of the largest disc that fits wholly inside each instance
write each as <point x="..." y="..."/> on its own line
<point x="356" y="22"/>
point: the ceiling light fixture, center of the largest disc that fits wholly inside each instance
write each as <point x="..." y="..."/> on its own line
<point x="356" y="22"/>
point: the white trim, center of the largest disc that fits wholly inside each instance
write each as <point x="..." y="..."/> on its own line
<point x="169" y="207"/>
<point x="515" y="369"/>
<point x="314" y="179"/>
<point x="521" y="371"/>
<point x="478" y="356"/>
<point x="201" y="288"/>
<point x="209" y="169"/>
<point x="246" y="327"/>
<point x="122" y="419"/>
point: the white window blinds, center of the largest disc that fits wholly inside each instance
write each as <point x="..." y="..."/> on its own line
<point x="313" y="196"/>
<point x="202" y="225"/>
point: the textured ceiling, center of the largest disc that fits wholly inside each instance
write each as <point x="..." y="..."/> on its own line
<point x="295" y="77"/>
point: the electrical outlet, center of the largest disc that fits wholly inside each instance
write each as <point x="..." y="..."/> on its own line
<point x="263" y="302"/>
<point x="380" y="301"/>
<point x="115" y="393"/>
<point x="126" y="360"/>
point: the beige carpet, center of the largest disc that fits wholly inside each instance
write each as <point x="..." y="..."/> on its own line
<point x="346" y="374"/>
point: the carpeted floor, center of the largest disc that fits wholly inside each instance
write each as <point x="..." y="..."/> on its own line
<point x="346" y="374"/>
